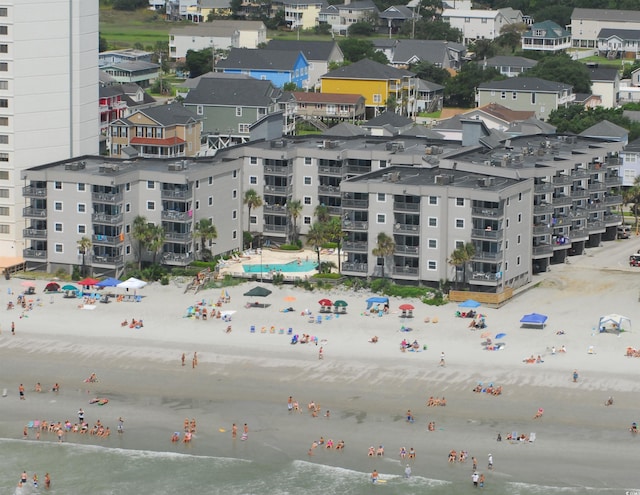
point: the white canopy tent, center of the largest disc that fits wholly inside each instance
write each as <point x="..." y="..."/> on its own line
<point x="614" y="322"/>
<point x="132" y="283"/>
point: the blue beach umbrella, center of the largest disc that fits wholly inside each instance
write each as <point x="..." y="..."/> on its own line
<point x="469" y="303"/>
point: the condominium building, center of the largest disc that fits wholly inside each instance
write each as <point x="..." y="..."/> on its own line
<point x="99" y="198"/>
<point x="48" y="96"/>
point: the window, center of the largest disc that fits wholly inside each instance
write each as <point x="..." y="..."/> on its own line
<point x="533" y="98"/>
<point x="432" y="265"/>
<point x="381" y="218"/>
<point x="307" y="180"/>
<point x="4" y="157"/>
<point x="234" y="174"/>
<point x="503" y="95"/>
<point x="197" y="205"/>
<point x="253" y="180"/>
<point x="4" y="48"/>
<point x="459" y="201"/>
<point x="127" y="249"/>
<point x="518" y="239"/>
<point x="57" y="227"/>
<point x="382" y="198"/>
<point x="253" y="160"/>
<point x="234" y="214"/>
<point x="151" y="205"/>
<point x="506" y="244"/>
<point x="4" y="229"/>
<point x="197" y="184"/>
<point x="433" y="200"/>
<point x="377" y="98"/>
<point x="81" y="186"/>
<point x="459" y="244"/>
<point x="238" y="111"/>
<point x="234" y="194"/>
<point x="307" y="220"/>
<point x="467" y="19"/>
<point x="4" y="139"/>
<point x="519" y="196"/>
<point x="519" y="217"/>
<point x="199" y="109"/>
<point x="514" y="95"/>
<point x="307" y="160"/>
<point x="4" y="66"/>
<point x="433" y="243"/>
<point x="4" y="121"/>
<point x="210" y="200"/>
<point x="234" y="234"/>
<point x="307" y="200"/>
<point x="243" y="128"/>
<point x="57" y="185"/>
<point x="383" y="163"/>
<point x="59" y="249"/>
<point x="518" y="261"/>
<point x="459" y="223"/>
<point x="4" y="211"/>
<point x="3" y="12"/>
<point x="82" y="229"/>
<point x="127" y="186"/>
<point x="253" y="219"/>
<point x="507" y="224"/>
<point x="127" y="229"/>
<point x="151" y="184"/>
<point x="433" y="222"/>
<point x="4" y="193"/>
<point x="210" y="181"/>
<point x="82" y="208"/>
<point x="57" y="205"/>
<point x="127" y="207"/>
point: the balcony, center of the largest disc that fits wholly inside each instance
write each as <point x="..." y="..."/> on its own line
<point x="34" y="192"/>
<point x="613" y="200"/>
<point x="405" y="270"/>
<point x="580" y="173"/>
<point x="611" y="220"/>
<point x="403" y="206"/>
<point x="38" y="254"/>
<point x="579" y="234"/>
<point x="542" y="187"/>
<point x="179" y="194"/>
<point x="175" y="216"/>
<point x="541" y="230"/>
<point x="277" y="170"/>
<point x="487" y="234"/>
<point x="34" y="233"/>
<point x="559" y="180"/>
<point x="181" y="237"/>
<point x="277" y="189"/>
<point x="484" y="276"/>
<point x="562" y="201"/>
<point x="543" y="209"/>
<point x="180" y="259"/>
<point x="108" y="240"/>
<point x="410" y="250"/>
<point x="580" y="193"/>
<point x="275" y="209"/>
<point x="334" y="210"/>
<point x="107" y="260"/>
<point x="108" y="219"/>
<point x="357" y="246"/>
<point x="614" y="181"/>
<point x="542" y="250"/>
<point x="333" y="171"/>
<point x="355" y="267"/>
<point x="487" y="256"/>
<point x="596" y="226"/>
<point x="34" y="212"/>
<point x="329" y="190"/>
<point x="487" y="212"/>
<point x="350" y="225"/>
<point x="279" y="229"/>
<point x="358" y="169"/>
<point x="597" y="187"/>
<point x="362" y="204"/>
<point x="107" y="197"/>
<point x="406" y="228"/>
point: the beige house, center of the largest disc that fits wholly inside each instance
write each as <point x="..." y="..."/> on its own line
<point x="166" y="131"/>
<point x="587" y="24"/>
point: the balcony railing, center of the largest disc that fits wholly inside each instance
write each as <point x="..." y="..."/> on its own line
<point x="595" y="225"/>
<point x="562" y="201"/>
<point x="106" y="197"/>
<point x="483" y="276"/>
<point x="359" y="246"/>
<point x="542" y="249"/>
<point x="329" y="190"/>
<point x="487" y="212"/>
<point x="355" y="203"/>
<point x="612" y="220"/>
<point x="541" y="230"/>
<point x="334" y="210"/>
<point x="355" y="267"/>
<point x="487" y="255"/>
<point x="104" y="218"/>
<point x="34" y="212"/>
<point x="275" y="209"/>
<point x="613" y="181"/>
<point x="181" y="259"/>
<point x="350" y="225"/>
<point x="580" y="173"/>
<point x="415" y="250"/>
<point x="579" y="194"/>
<point x="579" y="234"/>
<point x="543" y="209"/>
<point x="276" y="170"/>
<point x="487" y="234"/>
<point x="597" y="186"/>
<point x="277" y="189"/>
<point x="543" y="187"/>
<point x="110" y="240"/>
<point x="34" y="253"/>
<point x="178" y="236"/>
<point x="358" y="169"/>
<point x="562" y="179"/>
<point x="175" y="216"/>
<point x="176" y="193"/>
<point x="403" y="206"/>
<point x="34" y="192"/>
<point x="406" y="228"/>
<point x="405" y="270"/>
<point x="107" y="260"/>
<point x="34" y="233"/>
<point x="334" y="171"/>
<point x="275" y="228"/>
<point x="613" y="200"/>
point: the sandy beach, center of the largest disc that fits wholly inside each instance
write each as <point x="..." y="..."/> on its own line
<point x="245" y="377"/>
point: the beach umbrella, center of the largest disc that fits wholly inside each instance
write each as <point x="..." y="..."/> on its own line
<point x="501" y="336"/>
<point x="108" y="282"/>
<point x="28" y="283"/>
<point x="52" y="287"/>
<point x="131" y="283"/>
<point x="406" y="307"/>
<point x="69" y="287"/>
<point x="88" y="281"/>
<point x="227" y="313"/>
<point x="469" y="303"/>
<point x="325" y="302"/>
<point x="258" y="292"/>
<point x="340" y="304"/>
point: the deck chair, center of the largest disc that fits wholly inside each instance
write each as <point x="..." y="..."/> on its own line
<point x="319" y="319"/>
<point x="514" y="436"/>
<point x="290" y="331"/>
<point x="252" y="329"/>
<point x="532" y="437"/>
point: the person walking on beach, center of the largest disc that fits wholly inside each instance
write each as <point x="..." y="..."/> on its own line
<point x="442" y="359"/>
<point x="475" y="477"/>
<point x="575" y="376"/>
<point x="21" y="391"/>
<point x="320" y="353"/>
<point x="474" y="461"/>
<point x="194" y="361"/>
<point x="120" y="425"/>
<point x="374" y="476"/>
<point x="13" y="328"/>
<point x="80" y="416"/>
<point x="183" y="358"/>
<point x="234" y="431"/>
<point x="490" y="463"/>
<point x="245" y="432"/>
<point x="47" y="481"/>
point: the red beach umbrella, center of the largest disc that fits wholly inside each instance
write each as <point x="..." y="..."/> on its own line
<point x="325" y="302"/>
<point x="406" y="307"/>
<point x="88" y="281"/>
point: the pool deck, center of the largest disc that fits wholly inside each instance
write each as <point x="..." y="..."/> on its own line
<point x="269" y="257"/>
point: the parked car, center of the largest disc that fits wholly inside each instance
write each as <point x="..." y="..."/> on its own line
<point x="634" y="260"/>
<point x="624" y="232"/>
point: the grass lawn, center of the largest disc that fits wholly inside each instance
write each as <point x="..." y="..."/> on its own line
<point x="616" y="63"/>
<point x="124" y="29"/>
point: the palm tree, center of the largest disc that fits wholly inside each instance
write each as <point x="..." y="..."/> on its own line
<point x="253" y="200"/>
<point x="334" y="233"/>
<point x="294" y="208"/>
<point x="206" y="231"/>
<point x="84" y="245"/>
<point x="384" y="248"/>
<point x="456" y="261"/>
<point x="461" y="258"/>
<point x="631" y="195"/>
<point x="155" y="239"/>
<point x="315" y="238"/>
<point x="322" y="213"/>
<point x="140" y="232"/>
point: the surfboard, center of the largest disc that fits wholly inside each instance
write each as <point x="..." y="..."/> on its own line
<point x="221" y="430"/>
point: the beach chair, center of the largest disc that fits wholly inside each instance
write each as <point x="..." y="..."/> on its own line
<point x="532" y="437"/>
<point x="30" y="424"/>
<point x="290" y="331"/>
<point x="252" y="329"/>
<point x="319" y="319"/>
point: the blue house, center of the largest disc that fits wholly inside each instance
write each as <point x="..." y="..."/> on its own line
<point x="277" y="66"/>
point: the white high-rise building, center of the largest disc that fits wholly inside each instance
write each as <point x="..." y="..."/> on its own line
<point x="48" y="99"/>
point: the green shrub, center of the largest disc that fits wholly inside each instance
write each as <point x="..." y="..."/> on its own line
<point x="330" y="245"/>
<point x="278" y="279"/>
<point x="164" y="280"/>
<point x="330" y="276"/>
<point x="289" y="247"/>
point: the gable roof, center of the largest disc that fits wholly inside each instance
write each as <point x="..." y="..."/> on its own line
<point x="422" y="85"/>
<point x="358" y="5"/>
<point x="509" y="61"/>
<point x="256" y="59"/>
<point x="214" y="4"/>
<point x="605" y="129"/>
<point x="388" y="118"/>
<point x="606" y="15"/>
<point x="311" y="97"/>
<point x="506" y="114"/>
<point x="367" y="69"/>
<point x="345" y="129"/>
<point x="624" y="34"/>
<point x="526" y="84"/>
<point x="167" y="115"/>
<point x="633" y="146"/>
<point x="233" y="92"/>
<point x="603" y="74"/>
<point x="192" y="82"/>
<point x="397" y="12"/>
<point x="131" y="66"/>
<point x="530" y="126"/>
<point x="422" y="131"/>
<point x="312" y="50"/>
<point x="471" y="13"/>
<point x="216" y="28"/>
<point x="434" y="51"/>
<point x="550" y="28"/>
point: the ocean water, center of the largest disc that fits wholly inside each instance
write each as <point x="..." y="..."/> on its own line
<point x="93" y="470"/>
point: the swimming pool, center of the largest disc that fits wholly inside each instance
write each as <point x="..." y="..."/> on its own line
<point x="293" y="266"/>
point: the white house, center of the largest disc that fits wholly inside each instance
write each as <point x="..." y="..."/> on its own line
<point x="630" y="157"/>
<point x="480" y="24"/>
<point x="605" y="82"/>
<point x="586" y="24"/>
<point x="300" y="14"/>
<point x="218" y="35"/>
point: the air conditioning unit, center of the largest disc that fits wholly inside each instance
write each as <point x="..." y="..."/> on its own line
<point x="175" y="167"/>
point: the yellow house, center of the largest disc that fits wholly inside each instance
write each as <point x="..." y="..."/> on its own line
<point x="376" y="82"/>
<point x="201" y="11"/>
